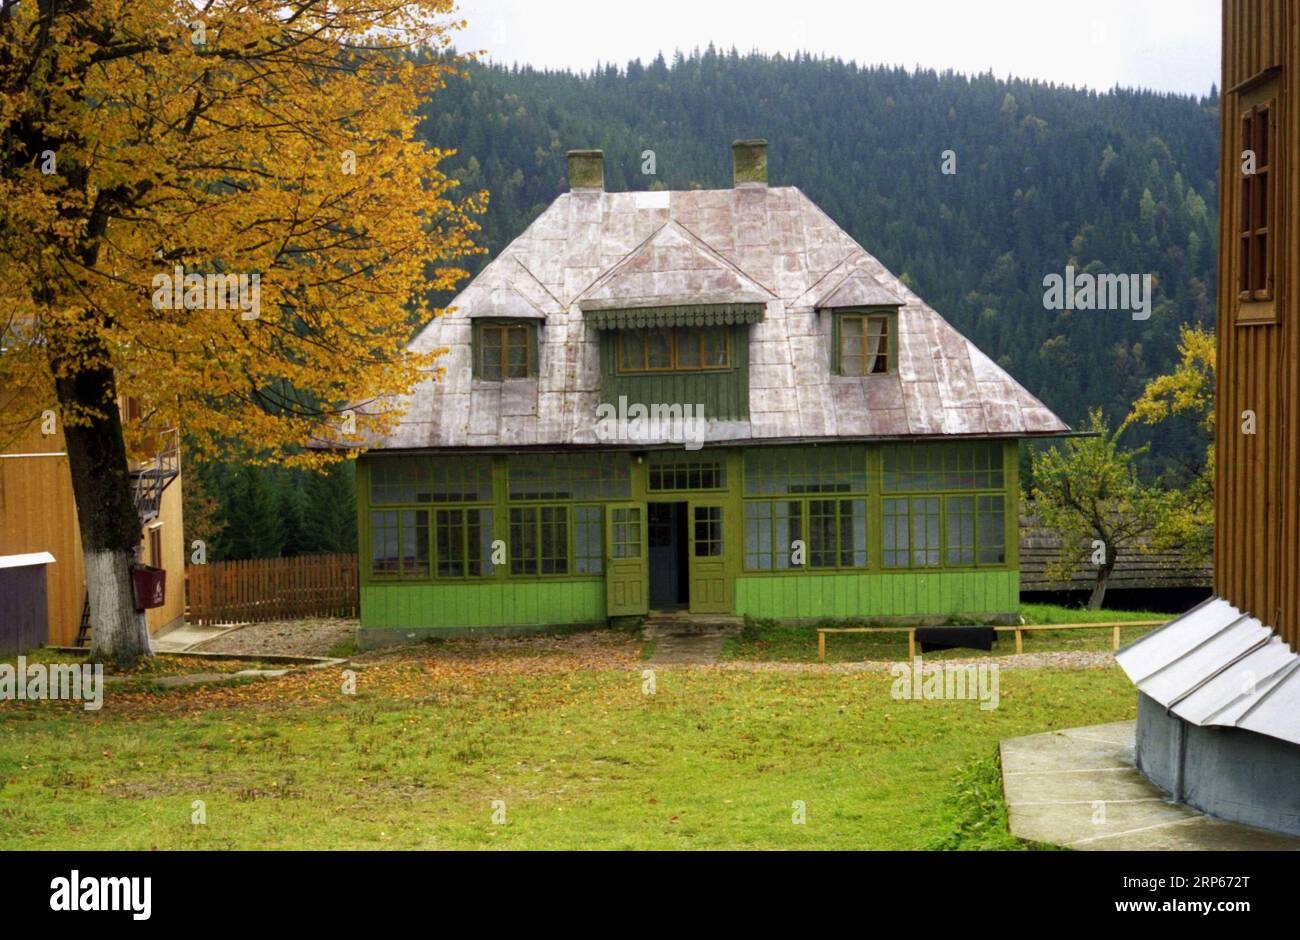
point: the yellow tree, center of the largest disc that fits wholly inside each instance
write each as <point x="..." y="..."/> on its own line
<point x="1188" y="391"/>
<point x="221" y="208"/>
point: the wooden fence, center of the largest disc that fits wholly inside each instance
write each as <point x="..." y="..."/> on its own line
<point x="264" y="589"/>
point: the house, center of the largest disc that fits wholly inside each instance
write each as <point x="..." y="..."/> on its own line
<point x="1219" y="688"/>
<point x="710" y="401"/>
<point x="38" y="513"/>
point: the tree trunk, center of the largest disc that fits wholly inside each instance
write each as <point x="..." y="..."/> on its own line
<point x="1099" y="589"/>
<point x="106" y="514"/>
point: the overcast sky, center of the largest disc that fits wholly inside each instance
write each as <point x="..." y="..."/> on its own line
<point x="1168" y="45"/>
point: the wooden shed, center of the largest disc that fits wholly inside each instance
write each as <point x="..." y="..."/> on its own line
<point x="24" y="614"/>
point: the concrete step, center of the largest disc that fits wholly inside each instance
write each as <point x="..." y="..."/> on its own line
<point x="658" y="625"/>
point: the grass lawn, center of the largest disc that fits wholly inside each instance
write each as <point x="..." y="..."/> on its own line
<point x="563" y="734"/>
<point x="767" y="641"/>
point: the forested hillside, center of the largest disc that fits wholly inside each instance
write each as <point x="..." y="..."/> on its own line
<point x="1122" y="182"/>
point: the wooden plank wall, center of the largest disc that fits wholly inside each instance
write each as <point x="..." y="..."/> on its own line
<point x="260" y="590"/>
<point x="1257" y="535"/>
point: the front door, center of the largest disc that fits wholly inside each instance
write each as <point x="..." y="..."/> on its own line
<point x="710" y="585"/>
<point x="669" y="571"/>
<point x="625" y="566"/>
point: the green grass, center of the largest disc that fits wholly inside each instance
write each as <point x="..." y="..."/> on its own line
<point x="770" y="641"/>
<point x="581" y="758"/>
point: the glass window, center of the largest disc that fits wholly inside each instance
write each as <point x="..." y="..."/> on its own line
<point x="588" y="540"/>
<point x="397" y="480"/>
<point x="463" y="542"/>
<point x="569" y="476"/>
<point x="864" y="345"/>
<point x="836" y="533"/>
<point x="383" y="542"/>
<point x="791" y="470"/>
<point x="504" y="351"/>
<point x="708" y="531"/>
<point x="992" y="530"/>
<point x="625" y="525"/>
<point x="964" y="465"/>
<point x="960" y="517"/>
<point x="679" y="349"/>
<point x="670" y="471"/>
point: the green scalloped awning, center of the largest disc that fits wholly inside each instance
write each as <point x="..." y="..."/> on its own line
<point x="638" y="318"/>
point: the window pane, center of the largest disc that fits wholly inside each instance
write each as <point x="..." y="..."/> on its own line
<point x="555" y="540"/>
<point x="853" y="533"/>
<point x="492" y="340"/>
<point x="523" y="540"/>
<point x="415" y="543"/>
<point x="588" y="540"/>
<point x="789" y="529"/>
<point x="925" y="531"/>
<point x="383" y="542"/>
<point x="715" y="347"/>
<point x="478" y="531"/>
<point x="823" y="527"/>
<point x="961" y="530"/>
<point x="992" y="530"/>
<point x="895" y="537"/>
<point x="659" y="349"/>
<point x="631" y="345"/>
<point x="851" y="346"/>
<point x="877" y="345"/>
<point x="708" y="531"/>
<point x="517" y="352"/>
<point x="625" y="526"/>
<point x="758" y="536"/>
<point x="450" y="537"/>
<point x="688" y="349"/>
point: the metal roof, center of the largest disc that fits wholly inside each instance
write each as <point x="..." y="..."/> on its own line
<point x="1218" y="667"/>
<point x="593" y="250"/>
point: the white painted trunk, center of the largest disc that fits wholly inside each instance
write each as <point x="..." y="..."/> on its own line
<point x="118" y="631"/>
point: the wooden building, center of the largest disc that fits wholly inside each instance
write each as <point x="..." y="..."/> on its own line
<point x="38" y="513"/>
<point x="1219" y="702"/>
<point x="714" y="402"/>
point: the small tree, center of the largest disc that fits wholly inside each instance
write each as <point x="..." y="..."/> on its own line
<point x="1188" y="392"/>
<point x="1089" y="494"/>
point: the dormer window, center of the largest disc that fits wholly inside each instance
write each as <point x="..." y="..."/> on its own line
<point x="865" y="342"/>
<point x="674" y="349"/>
<point x="504" y="349"/>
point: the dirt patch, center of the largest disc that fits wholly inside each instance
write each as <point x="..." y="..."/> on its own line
<point x="286" y="637"/>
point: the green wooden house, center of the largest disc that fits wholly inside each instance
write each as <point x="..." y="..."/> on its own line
<point x="826" y="444"/>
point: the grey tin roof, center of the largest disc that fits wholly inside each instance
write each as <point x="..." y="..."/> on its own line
<point x="1218" y="667"/>
<point x="596" y="250"/>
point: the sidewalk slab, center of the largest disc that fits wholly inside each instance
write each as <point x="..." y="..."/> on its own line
<point x="1079" y="788"/>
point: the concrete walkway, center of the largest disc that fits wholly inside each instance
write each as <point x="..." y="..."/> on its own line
<point x="187" y="637"/>
<point x="687" y="650"/>
<point x="1079" y="788"/>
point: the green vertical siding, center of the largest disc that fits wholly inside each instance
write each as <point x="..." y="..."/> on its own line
<point x="490" y="604"/>
<point x="901" y="594"/>
<point x="724" y="393"/>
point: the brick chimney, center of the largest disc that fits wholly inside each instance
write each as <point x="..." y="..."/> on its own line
<point x="749" y="159"/>
<point x="586" y="170"/>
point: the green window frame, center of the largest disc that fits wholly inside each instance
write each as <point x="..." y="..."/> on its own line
<point x="668" y="472"/>
<point x="462" y="543"/>
<point x="406" y="480"/>
<point x="399" y="544"/>
<point x="504" y="349"/>
<point x="865" y="342"/>
<point x="943" y="530"/>
<point x="543" y="477"/>
<point x="674" y="349"/>
<point x="834" y="532"/>
<point x="625" y="533"/>
<point x="708" y="531"/>
<point x="588" y="540"/>
<point x="539" y="540"/>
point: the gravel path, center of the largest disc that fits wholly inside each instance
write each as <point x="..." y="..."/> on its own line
<point x="1073" y="659"/>
<point x="289" y="637"/>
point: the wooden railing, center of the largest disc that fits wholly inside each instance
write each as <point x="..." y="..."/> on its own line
<point x="264" y="589"/>
<point x="1019" y="631"/>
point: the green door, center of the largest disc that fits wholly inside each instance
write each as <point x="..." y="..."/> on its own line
<point x="710" y="584"/>
<point x="625" y="569"/>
